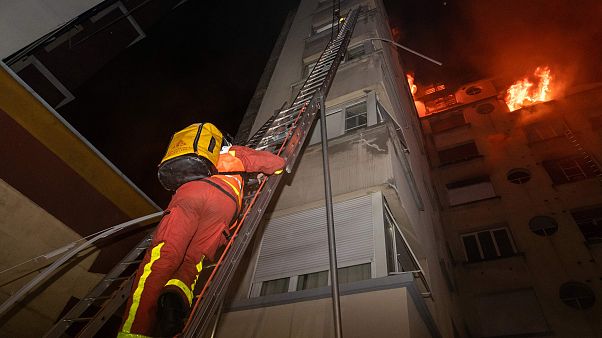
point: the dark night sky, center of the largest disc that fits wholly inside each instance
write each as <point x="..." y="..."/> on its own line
<point x="202" y="63"/>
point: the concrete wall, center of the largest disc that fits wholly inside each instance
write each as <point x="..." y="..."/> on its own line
<point x="24" y="21"/>
<point x="385" y="313"/>
<point x="27" y="231"/>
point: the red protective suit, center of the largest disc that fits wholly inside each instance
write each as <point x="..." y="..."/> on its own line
<point x="194" y="227"/>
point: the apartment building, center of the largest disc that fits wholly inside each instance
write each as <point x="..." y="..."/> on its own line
<point x="394" y="267"/>
<point x="521" y="195"/>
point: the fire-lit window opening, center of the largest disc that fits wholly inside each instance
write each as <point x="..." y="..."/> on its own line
<point x="440" y="104"/>
<point x="519" y="176"/>
<point x="356" y="116"/>
<point x="543" y="225"/>
<point x="488" y="244"/>
<point x="529" y="91"/>
<point x="577" y="295"/>
<point x="589" y="221"/>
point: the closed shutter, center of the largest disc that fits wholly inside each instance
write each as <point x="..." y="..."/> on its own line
<point x="298" y="243"/>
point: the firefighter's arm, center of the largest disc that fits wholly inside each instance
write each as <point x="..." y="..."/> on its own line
<point x="259" y="161"/>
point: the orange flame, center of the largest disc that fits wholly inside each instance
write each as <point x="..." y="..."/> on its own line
<point x="413" y="87"/>
<point x="524" y="93"/>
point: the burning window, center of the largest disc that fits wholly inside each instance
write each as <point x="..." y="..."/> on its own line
<point x="530" y="90"/>
<point x="571" y="169"/>
<point x="441" y="103"/>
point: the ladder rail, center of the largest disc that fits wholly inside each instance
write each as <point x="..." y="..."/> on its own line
<point x="97" y="292"/>
<point x="206" y="306"/>
<point x="54" y="267"/>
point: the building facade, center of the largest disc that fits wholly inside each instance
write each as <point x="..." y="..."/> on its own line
<point x="393" y="264"/>
<point x="521" y="196"/>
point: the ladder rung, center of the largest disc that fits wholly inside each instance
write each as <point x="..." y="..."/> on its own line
<point x="73" y="320"/>
<point x="93" y="299"/>
<point x="116" y="279"/>
<point x="132" y="262"/>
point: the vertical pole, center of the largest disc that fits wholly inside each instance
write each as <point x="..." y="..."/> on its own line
<point x="332" y="249"/>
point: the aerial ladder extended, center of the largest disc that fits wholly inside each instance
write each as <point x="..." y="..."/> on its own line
<point x="285" y="134"/>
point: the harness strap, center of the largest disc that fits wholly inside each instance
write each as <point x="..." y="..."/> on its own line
<point x="234" y="199"/>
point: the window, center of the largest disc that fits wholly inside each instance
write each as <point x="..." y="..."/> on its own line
<point x="589" y="222"/>
<point x="485" y="108"/>
<point x="447" y="121"/>
<point x="321" y="28"/>
<point x="312" y="280"/>
<point x="541" y="131"/>
<point x="571" y="169"/>
<point x="354" y="273"/>
<point x="399" y="255"/>
<point x="470" y="190"/>
<point x="356" y="116"/>
<point x="543" y="225"/>
<point x="488" y="244"/>
<point x="473" y="90"/>
<point x="441" y="103"/>
<point x="519" y="176"/>
<point x="274" y="286"/>
<point x="355" y="52"/>
<point x="577" y="295"/>
<point x="459" y="153"/>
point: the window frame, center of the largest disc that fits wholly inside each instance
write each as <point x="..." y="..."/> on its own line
<point x="495" y="244"/>
<point x="345" y="110"/>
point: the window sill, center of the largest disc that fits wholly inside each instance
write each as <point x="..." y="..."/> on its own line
<point x="463" y="160"/>
<point x="437" y="133"/>
<point x="497" y="197"/>
<point x="517" y="254"/>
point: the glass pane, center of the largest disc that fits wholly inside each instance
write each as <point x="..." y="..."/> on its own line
<point x="356" y="116"/>
<point x="487" y="245"/>
<point x="354" y="273"/>
<point x="312" y="280"/>
<point x="274" y="286"/>
<point x="503" y="242"/>
<point x="472" y="248"/>
<point x="389" y="245"/>
<point x="404" y="257"/>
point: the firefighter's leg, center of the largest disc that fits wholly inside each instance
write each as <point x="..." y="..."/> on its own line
<point x="162" y="259"/>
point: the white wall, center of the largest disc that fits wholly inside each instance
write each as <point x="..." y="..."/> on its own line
<point x="24" y="21"/>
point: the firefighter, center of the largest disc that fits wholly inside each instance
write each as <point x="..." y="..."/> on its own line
<point x="194" y="226"/>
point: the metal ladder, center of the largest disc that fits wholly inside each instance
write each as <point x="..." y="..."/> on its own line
<point x="283" y="134"/>
<point x="587" y="159"/>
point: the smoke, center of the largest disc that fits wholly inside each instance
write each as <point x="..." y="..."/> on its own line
<point x="511" y="38"/>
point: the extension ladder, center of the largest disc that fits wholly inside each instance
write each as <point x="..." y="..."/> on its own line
<point x="284" y="134"/>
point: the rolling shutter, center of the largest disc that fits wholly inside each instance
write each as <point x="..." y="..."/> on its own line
<point x="298" y="243"/>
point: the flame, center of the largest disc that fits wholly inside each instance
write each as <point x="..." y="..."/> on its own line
<point x="413" y="87"/>
<point x="525" y="93"/>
